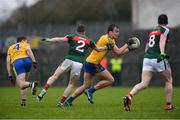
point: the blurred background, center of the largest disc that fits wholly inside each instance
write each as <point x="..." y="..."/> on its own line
<point x="51" y="18"/>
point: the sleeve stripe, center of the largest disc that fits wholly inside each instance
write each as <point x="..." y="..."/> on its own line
<point x="166" y="31"/>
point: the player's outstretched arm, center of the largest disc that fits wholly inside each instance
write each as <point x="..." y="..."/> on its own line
<point x="56" y="39"/>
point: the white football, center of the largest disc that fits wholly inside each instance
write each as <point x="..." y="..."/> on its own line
<point x="136" y="44"/>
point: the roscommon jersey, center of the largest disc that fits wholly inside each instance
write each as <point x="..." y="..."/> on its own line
<point x="17" y="51"/>
<point x="153" y="50"/>
<point x="96" y="57"/>
<point x="78" y="46"/>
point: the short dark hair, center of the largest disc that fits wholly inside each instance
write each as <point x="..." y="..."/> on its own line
<point x="19" y="39"/>
<point x="163" y="19"/>
<point x="81" y="28"/>
<point x="111" y="27"/>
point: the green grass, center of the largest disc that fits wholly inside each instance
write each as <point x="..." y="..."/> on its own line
<point x="108" y="104"/>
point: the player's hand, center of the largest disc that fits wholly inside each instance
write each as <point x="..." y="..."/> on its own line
<point x="130" y="41"/>
<point x="10" y="78"/>
<point x="110" y="46"/>
<point x="162" y="56"/>
<point x="35" y="65"/>
<point x="44" y="39"/>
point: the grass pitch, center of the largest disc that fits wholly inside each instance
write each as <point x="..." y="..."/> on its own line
<point x="148" y="104"/>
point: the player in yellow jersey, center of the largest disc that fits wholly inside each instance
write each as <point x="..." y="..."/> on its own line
<point x="20" y="59"/>
<point x="93" y="67"/>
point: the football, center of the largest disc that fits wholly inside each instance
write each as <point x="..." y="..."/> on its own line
<point x="136" y="43"/>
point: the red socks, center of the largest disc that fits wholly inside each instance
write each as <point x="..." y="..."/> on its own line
<point x="129" y="94"/>
<point x="63" y="98"/>
<point x="168" y="103"/>
<point x="46" y="86"/>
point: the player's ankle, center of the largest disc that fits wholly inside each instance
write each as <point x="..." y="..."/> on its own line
<point x="62" y="99"/>
<point x="130" y="96"/>
<point x="46" y="86"/>
<point x="168" y="103"/>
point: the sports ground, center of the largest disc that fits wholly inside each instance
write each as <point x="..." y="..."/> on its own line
<point x="108" y="105"/>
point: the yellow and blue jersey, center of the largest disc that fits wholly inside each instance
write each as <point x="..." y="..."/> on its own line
<point x="96" y="57"/>
<point x="17" y="51"/>
<point x="19" y="58"/>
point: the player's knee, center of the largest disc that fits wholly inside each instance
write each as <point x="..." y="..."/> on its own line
<point x="169" y="81"/>
<point x="21" y="86"/>
<point x="144" y="85"/>
<point x="111" y="80"/>
<point x="85" y="86"/>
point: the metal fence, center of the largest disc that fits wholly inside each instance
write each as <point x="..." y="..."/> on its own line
<point x="49" y="56"/>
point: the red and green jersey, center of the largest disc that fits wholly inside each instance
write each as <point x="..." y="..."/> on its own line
<point x="78" y="46"/>
<point x="154" y="41"/>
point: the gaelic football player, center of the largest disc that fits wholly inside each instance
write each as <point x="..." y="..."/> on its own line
<point x="155" y="60"/>
<point x="20" y="58"/>
<point x="93" y="67"/>
<point x="78" y="45"/>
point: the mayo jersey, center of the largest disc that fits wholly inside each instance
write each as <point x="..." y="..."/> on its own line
<point x="17" y="51"/>
<point x="78" y="47"/>
<point x="96" y="57"/>
<point x="154" y="41"/>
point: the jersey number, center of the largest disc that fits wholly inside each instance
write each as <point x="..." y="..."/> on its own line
<point x="151" y="40"/>
<point x="17" y="47"/>
<point x="80" y="46"/>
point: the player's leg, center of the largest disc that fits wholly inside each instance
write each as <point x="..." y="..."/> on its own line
<point x="74" y="76"/>
<point x="87" y="82"/>
<point x="20" y="79"/>
<point x="168" y="88"/>
<point x="21" y="69"/>
<point x="23" y="93"/>
<point x="49" y="82"/>
<point x="107" y="81"/>
<point x="68" y="90"/>
<point x="59" y="71"/>
<point x="28" y="66"/>
<point x="145" y="80"/>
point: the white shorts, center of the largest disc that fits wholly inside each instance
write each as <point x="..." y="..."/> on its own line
<point x="152" y="65"/>
<point x="75" y="67"/>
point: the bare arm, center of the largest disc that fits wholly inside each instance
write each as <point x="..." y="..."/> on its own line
<point x="99" y="49"/>
<point x="122" y="50"/>
<point x="146" y="48"/>
<point x="8" y="65"/>
<point x="163" y="39"/>
<point x="30" y="53"/>
<point x="57" y="39"/>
